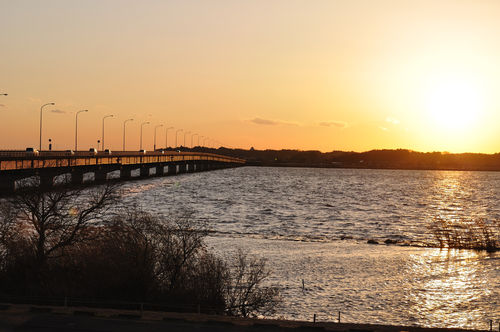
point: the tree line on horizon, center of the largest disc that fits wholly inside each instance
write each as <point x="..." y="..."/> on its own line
<point x="383" y="159"/>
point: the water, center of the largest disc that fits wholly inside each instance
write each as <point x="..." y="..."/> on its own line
<point x="297" y="218"/>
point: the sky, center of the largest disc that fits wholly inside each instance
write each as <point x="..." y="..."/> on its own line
<point x="352" y="75"/>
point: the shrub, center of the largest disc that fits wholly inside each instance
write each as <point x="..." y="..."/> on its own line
<point x="478" y="234"/>
<point x="245" y="294"/>
<point x="62" y="244"/>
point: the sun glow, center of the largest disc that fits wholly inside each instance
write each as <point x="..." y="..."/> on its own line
<point x="454" y="104"/>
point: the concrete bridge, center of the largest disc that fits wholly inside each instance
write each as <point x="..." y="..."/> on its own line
<point x="45" y="166"/>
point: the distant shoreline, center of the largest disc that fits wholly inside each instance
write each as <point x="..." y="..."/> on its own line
<point x="301" y="165"/>
<point x="400" y="159"/>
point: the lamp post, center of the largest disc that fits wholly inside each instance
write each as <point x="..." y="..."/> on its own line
<point x="176" y="132"/>
<point x="124" y="122"/>
<point x="185" y="134"/>
<point x="76" y="128"/>
<point x="154" y="141"/>
<point x="142" y="125"/>
<point x="192" y="146"/>
<point x="41" y="109"/>
<point x="166" y="136"/>
<point x="104" y="118"/>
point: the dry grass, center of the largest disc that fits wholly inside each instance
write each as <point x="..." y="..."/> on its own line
<point x="476" y="234"/>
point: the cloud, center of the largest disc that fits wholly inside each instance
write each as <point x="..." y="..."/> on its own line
<point x="340" y="124"/>
<point x="58" y="111"/>
<point x="392" y="120"/>
<point x="383" y="128"/>
<point x="268" y="122"/>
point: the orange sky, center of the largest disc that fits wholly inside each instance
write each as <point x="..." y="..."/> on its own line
<point x="327" y="75"/>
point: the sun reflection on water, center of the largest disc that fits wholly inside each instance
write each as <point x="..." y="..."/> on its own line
<point x="449" y="193"/>
<point x="447" y="286"/>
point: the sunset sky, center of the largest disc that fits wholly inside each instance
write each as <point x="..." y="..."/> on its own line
<point x="326" y="75"/>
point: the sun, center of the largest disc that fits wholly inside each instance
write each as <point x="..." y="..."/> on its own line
<point x="454" y="104"/>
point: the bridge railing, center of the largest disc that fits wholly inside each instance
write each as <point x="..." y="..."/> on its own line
<point x="17" y="160"/>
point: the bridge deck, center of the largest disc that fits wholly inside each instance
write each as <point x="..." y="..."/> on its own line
<point x="21" y="160"/>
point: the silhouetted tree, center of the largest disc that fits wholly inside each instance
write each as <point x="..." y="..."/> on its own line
<point x="61" y="243"/>
<point x="43" y="224"/>
<point x="246" y="296"/>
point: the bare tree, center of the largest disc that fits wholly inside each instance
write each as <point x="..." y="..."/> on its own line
<point x="181" y="243"/>
<point x="53" y="220"/>
<point x="246" y="296"/>
<point x="7" y="229"/>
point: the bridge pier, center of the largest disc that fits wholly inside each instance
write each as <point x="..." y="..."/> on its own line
<point x="182" y="168"/>
<point x="160" y="170"/>
<point x="144" y="172"/>
<point x="46" y="181"/>
<point x="7" y="185"/>
<point x="100" y="176"/>
<point x="76" y="177"/>
<point x="172" y="169"/>
<point x="126" y="173"/>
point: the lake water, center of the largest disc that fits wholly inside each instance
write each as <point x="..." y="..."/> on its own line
<point x="313" y="225"/>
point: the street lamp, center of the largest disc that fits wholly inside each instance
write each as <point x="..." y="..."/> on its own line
<point x="176" y="132"/>
<point x="41" y="109"/>
<point x="107" y="116"/>
<point x="154" y="141"/>
<point x="166" y="136"/>
<point x="142" y="124"/>
<point x="124" y="122"/>
<point x="186" y="133"/>
<point x="192" y="146"/>
<point x="76" y="128"/>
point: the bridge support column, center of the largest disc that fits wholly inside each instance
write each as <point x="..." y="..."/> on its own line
<point x="100" y="176"/>
<point x="76" y="177"/>
<point x="172" y="169"/>
<point x="144" y="172"/>
<point x="46" y="181"/>
<point x="182" y="168"/>
<point x="160" y="170"/>
<point x="7" y="185"/>
<point x="190" y="167"/>
<point x="125" y="174"/>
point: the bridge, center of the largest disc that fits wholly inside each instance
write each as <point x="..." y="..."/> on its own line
<point x="46" y="166"/>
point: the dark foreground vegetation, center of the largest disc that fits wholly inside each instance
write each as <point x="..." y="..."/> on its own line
<point x="78" y="244"/>
<point x="477" y="234"/>
<point x="382" y="159"/>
